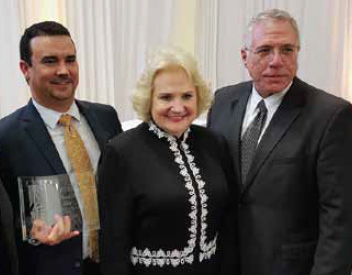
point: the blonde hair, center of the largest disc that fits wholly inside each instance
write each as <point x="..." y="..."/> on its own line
<point x="163" y="59"/>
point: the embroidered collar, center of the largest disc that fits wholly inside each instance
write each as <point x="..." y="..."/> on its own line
<point x="162" y="134"/>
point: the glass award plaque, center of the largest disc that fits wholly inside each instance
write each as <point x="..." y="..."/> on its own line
<point x="44" y="198"/>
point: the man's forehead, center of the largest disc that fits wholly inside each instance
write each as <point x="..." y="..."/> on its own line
<point x="58" y="44"/>
<point x="270" y="25"/>
<point x="272" y="30"/>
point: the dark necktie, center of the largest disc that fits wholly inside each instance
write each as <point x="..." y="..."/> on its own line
<point x="250" y="139"/>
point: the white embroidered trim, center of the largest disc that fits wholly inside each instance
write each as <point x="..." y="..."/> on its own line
<point x="207" y="249"/>
<point x="176" y="257"/>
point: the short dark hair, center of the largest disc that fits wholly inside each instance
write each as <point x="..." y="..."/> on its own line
<point x="45" y="28"/>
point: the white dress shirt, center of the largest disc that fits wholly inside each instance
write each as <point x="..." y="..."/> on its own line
<point x="272" y="103"/>
<point x="56" y="131"/>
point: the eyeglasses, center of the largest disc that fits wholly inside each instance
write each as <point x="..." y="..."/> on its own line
<point x="267" y="52"/>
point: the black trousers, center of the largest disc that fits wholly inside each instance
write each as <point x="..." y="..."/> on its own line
<point x="90" y="267"/>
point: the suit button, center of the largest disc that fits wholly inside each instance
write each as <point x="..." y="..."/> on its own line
<point x="77" y="264"/>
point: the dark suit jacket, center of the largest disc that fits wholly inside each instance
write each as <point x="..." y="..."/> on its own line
<point x="8" y="255"/>
<point x="26" y="149"/>
<point x="295" y="208"/>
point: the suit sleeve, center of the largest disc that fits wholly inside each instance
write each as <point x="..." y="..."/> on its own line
<point x="334" y="176"/>
<point x="209" y="118"/>
<point x="8" y="253"/>
<point x="115" y="121"/>
<point x="115" y="208"/>
<point x="210" y="112"/>
<point x="228" y="237"/>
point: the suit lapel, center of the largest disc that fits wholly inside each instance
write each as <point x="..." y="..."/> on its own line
<point x="35" y="128"/>
<point x="229" y="119"/>
<point x="238" y="111"/>
<point x="286" y="114"/>
<point x="100" y="134"/>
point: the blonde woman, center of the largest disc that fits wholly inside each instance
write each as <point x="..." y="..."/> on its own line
<point x="164" y="186"/>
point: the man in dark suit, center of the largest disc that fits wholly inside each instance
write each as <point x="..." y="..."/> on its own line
<point x="295" y="206"/>
<point x="32" y="143"/>
<point x="8" y="255"/>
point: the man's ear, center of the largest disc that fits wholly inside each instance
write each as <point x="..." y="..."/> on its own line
<point x="244" y="56"/>
<point x="24" y="66"/>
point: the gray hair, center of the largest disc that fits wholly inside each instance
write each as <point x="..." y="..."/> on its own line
<point x="164" y="59"/>
<point x="273" y="14"/>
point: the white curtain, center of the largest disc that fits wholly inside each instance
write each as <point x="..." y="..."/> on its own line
<point x="325" y="59"/>
<point x="112" y="39"/>
<point x="113" y="36"/>
<point x="13" y="90"/>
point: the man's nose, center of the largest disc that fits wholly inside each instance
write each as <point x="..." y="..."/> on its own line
<point x="276" y="58"/>
<point x="62" y="69"/>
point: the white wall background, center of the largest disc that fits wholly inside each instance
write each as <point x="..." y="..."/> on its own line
<point x="113" y="36"/>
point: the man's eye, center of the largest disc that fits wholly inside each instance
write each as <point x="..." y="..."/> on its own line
<point x="263" y="51"/>
<point x="49" y="60"/>
<point x="287" y="50"/>
<point x="71" y="59"/>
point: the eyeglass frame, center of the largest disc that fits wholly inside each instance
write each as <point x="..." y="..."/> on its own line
<point x="285" y="51"/>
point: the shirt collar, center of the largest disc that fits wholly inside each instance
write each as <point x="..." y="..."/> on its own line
<point x="51" y="117"/>
<point x="270" y="101"/>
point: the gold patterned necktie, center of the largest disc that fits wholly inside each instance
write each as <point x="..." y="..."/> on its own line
<point x="82" y="166"/>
